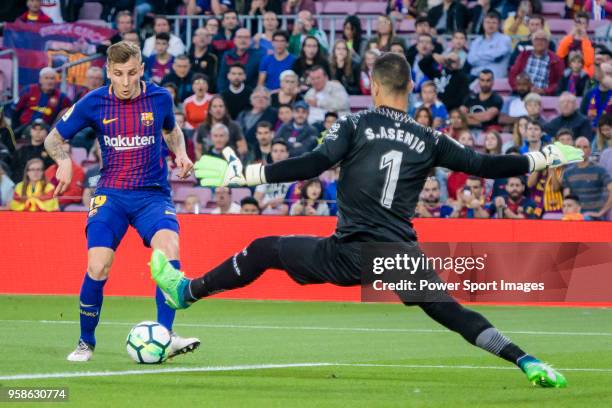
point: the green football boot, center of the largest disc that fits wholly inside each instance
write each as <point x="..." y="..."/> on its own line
<point x="539" y="373"/>
<point x="171" y="281"/>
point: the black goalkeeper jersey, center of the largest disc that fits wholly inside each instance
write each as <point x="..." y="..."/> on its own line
<point x="385" y="157"/>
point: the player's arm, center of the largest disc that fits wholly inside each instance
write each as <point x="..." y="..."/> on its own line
<point x="214" y="171"/>
<point x="454" y="156"/>
<point x="176" y="143"/>
<point x="53" y="145"/>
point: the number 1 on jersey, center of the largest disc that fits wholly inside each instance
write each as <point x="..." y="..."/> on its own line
<point x="392" y="160"/>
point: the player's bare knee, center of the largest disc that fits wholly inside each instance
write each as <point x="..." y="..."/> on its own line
<point x="167" y="243"/>
<point x="98" y="269"/>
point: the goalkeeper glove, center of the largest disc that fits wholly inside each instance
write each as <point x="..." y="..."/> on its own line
<point x="214" y="172"/>
<point x="554" y="155"/>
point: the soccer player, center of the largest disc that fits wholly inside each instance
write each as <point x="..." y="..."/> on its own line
<point x="129" y="117"/>
<point x="386" y="157"/>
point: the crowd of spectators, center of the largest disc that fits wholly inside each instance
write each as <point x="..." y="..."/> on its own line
<point x="272" y="94"/>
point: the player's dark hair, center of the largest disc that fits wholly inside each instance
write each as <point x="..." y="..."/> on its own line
<point x="250" y="200"/>
<point x="392" y="72"/>
<point x="163" y="37"/>
<point x="264" y="124"/>
<point x="281" y="33"/>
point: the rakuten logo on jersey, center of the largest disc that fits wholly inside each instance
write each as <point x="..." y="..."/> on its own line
<point x="128" y="142"/>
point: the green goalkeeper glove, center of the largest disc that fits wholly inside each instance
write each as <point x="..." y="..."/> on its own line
<point x="554" y="155"/>
<point x="214" y="172"/>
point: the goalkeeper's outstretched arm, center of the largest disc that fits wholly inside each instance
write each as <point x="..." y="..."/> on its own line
<point x="305" y="167"/>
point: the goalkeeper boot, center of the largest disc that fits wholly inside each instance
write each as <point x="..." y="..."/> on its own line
<point x="182" y="345"/>
<point x="83" y="352"/>
<point x="542" y="374"/>
<point x="170" y="280"/>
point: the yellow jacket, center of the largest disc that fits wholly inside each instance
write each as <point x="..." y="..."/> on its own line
<point x="35" y="198"/>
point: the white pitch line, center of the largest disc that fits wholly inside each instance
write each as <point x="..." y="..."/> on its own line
<point x="264" y="367"/>
<point x="156" y="371"/>
<point x="318" y="328"/>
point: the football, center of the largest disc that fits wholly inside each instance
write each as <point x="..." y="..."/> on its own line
<point x="148" y="343"/>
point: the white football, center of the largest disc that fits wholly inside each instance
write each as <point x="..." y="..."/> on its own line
<point x="148" y="343"/>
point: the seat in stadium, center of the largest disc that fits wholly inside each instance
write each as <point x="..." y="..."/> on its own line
<point x="360" y="102"/>
<point x="75" y="208"/>
<point x="559" y="26"/>
<point x="240" y="193"/>
<point x="79" y="155"/>
<point x="552" y="216"/>
<point x="372" y="7"/>
<point x="339" y="7"/>
<point x="553" y="9"/>
<point x="90" y="11"/>
<point x="550" y="104"/>
<point x="502" y="86"/>
<point x="506" y="137"/>
<point x="181" y="193"/>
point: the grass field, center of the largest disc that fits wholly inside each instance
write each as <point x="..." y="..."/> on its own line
<point x="285" y="354"/>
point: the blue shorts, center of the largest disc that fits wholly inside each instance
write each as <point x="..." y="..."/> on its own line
<point x="111" y="212"/>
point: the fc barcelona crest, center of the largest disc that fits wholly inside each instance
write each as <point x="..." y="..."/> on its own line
<point x="146" y="118"/>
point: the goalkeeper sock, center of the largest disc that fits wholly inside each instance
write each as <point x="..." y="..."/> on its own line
<point x="495" y="342"/>
<point x="238" y="271"/>
<point x="165" y="314"/>
<point x="90" y="304"/>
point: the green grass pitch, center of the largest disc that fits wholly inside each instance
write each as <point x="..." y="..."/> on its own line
<point x="290" y="354"/>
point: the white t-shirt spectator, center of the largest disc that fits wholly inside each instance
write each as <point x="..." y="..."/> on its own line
<point x="175" y="48"/>
<point x="234" y="209"/>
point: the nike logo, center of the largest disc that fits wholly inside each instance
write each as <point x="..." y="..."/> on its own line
<point x="169" y="212"/>
<point x="84" y="305"/>
<point x="107" y="121"/>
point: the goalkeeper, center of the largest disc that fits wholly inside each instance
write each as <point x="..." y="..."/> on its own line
<point x="385" y="158"/>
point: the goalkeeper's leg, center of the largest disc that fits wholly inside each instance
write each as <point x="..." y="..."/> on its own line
<point x="477" y="330"/>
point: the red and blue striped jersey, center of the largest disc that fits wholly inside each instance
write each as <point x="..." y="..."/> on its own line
<point x="129" y="132"/>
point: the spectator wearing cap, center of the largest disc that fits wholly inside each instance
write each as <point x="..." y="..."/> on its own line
<point x="38" y="132"/>
<point x="544" y="67"/>
<point x="243" y="54"/>
<point x="574" y="79"/>
<point x="181" y="76"/>
<point x="201" y="56"/>
<point x="272" y="66"/>
<point x="40" y="101"/>
<point x="196" y="106"/>
<point x="261" y="111"/>
<point x="578" y="39"/>
<point x="162" y="25"/>
<point x="289" y="91"/>
<point x="590" y="182"/>
<point x="490" y="50"/>
<point x="34" y="193"/>
<point x="34" y="13"/>
<point x="570" y="118"/>
<point x="535" y="23"/>
<point x="74" y="191"/>
<point x="6" y="186"/>
<point x="298" y="134"/>
<point x="448" y="17"/>
<point x="325" y="95"/>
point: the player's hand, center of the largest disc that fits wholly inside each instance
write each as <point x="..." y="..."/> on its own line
<point x="63" y="176"/>
<point x="184" y="164"/>
<point x="214" y="171"/>
<point x="555" y="155"/>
